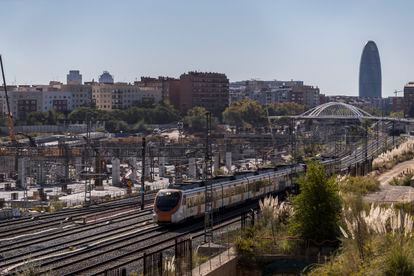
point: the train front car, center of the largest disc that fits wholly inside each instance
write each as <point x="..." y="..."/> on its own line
<point x="168" y="206"/>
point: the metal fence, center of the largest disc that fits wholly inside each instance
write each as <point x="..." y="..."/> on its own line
<point x="173" y="260"/>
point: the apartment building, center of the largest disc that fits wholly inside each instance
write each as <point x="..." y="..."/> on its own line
<point x="81" y="94"/>
<point x="268" y="92"/>
<point x="61" y="101"/>
<point x="123" y="95"/>
<point x="409" y="100"/>
<point x="160" y="83"/>
<point x="208" y="90"/>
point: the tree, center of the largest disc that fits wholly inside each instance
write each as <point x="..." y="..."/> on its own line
<point x="139" y="127"/>
<point x="245" y="113"/>
<point x="53" y="117"/>
<point x="37" y="118"/>
<point x="399" y="114"/>
<point x="285" y="109"/>
<point x="87" y="113"/>
<point x="114" y="126"/>
<point x="165" y="113"/>
<point x="317" y="207"/>
<point x="133" y="118"/>
<point x="196" y="119"/>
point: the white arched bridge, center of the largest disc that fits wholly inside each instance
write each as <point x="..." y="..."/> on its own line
<point x="336" y="109"/>
<point x="340" y="111"/>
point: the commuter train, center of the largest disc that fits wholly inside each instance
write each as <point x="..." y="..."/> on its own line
<point x="185" y="201"/>
<point x="181" y="202"/>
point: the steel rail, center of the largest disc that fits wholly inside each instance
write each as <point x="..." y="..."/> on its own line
<point x="78" y="242"/>
<point x="67" y="232"/>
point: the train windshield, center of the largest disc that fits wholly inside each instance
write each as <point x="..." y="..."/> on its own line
<point x="166" y="201"/>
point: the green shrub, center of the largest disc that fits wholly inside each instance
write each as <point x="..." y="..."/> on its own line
<point x="406" y="207"/>
<point x="403" y="181"/>
<point x="317" y="207"/>
<point x="361" y="185"/>
<point x="56" y="205"/>
<point x="399" y="262"/>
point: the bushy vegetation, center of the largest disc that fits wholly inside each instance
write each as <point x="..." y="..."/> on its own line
<point x="245" y="113"/>
<point x="56" y="205"/>
<point x="403" y="179"/>
<point x="158" y="114"/>
<point x="50" y="117"/>
<point x="195" y="120"/>
<point x="250" y="114"/>
<point x="269" y="234"/>
<point x="375" y="242"/>
<point x="360" y="185"/>
<point x="285" y="109"/>
<point x="317" y="207"/>
<point x="375" y="239"/>
<point x="132" y="120"/>
<point x="283" y="227"/>
<point x="389" y="159"/>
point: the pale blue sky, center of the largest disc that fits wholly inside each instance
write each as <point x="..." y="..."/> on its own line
<point x="319" y="42"/>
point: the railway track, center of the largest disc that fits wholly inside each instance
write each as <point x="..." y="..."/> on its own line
<point x="39" y="227"/>
<point x="76" y="241"/>
<point x="127" y="258"/>
<point x="16" y="227"/>
<point x="118" y="248"/>
<point x="14" y="244"/>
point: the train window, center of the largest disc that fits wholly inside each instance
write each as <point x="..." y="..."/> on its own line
<point x="257" y="186"/>
<point x="240" y="189"/>
<point x="166" y="201"/>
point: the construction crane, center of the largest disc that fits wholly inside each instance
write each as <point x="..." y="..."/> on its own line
<point x="10" y="123"/>
<point x="398" y="91"/>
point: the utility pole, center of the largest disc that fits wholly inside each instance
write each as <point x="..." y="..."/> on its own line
<point x="143" y="173"/>
<point x="365" y="147"/>
<point x="393" y="133"/>
<point x="208" y="195"/>
<point x="87" y="165"/>
<point x="293" y="139"/>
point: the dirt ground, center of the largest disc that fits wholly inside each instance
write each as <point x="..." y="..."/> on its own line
<point x="389" y="193"/>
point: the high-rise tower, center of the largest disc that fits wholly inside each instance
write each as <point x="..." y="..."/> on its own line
<point x="370" y="72"/>
<point x="74" y="77"/>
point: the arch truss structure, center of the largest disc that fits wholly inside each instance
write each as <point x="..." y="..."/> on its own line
<point x="336" y="110"/>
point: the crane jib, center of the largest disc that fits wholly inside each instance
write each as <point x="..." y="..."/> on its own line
<point x="10" y="123"/>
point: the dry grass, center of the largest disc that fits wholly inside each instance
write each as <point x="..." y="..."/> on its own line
<point x="357" y="185"/>
<point x="376" y="242"/>
<point x="268" y="234"/>
<point x="389" y="159"/>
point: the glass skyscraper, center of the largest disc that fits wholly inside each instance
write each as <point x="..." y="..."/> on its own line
<point x="370" y="72"/>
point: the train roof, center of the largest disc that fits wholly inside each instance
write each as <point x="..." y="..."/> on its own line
<point x="187" y="185"/>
